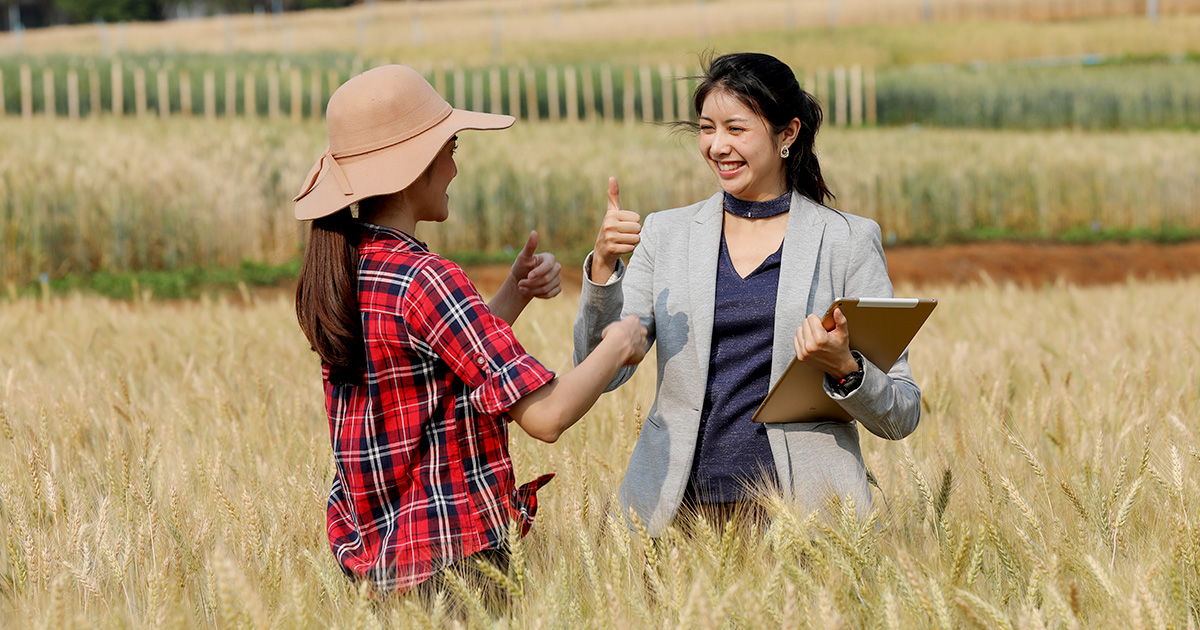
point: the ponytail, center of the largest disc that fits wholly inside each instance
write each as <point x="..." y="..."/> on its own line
<point x="803" y="169"/>
<point x="327" y="296"/>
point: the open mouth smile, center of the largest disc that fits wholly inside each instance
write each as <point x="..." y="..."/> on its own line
<point x="729" y="169"/>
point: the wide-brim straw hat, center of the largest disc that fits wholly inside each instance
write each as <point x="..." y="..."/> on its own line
<point x="385" y="127"/>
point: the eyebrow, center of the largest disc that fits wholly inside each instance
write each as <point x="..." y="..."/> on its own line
<point x="728" y="120"/>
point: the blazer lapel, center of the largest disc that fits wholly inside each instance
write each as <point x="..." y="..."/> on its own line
<point x="801" y="247"/>
<point x="704" y="244"/>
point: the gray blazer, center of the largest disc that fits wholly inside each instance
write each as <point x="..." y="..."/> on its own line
<point x="670" y="284"/>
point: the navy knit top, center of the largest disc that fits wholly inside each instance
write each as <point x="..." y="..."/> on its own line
<point x="732" y="453"/>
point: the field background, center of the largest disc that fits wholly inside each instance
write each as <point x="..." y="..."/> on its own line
<point x="165" y="462"/>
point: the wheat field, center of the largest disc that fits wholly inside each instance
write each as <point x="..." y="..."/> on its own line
<point x="167" y="464"/>
<point x="77" y="197"/>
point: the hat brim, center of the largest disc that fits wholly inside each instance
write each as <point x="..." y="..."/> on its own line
<point x="390" y="169"/>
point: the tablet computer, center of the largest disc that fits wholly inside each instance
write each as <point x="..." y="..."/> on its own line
<point x="880" y="330"/>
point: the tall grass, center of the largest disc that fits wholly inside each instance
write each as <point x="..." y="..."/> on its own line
<point x="167" y="465"/>
<point x="123" y="195"/>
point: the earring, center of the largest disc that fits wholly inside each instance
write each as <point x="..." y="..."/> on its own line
<point x="783" y="153"/>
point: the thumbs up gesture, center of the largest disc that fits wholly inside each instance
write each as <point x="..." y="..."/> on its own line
<point x="537" y="275"/>
<point x="620" y="232"/>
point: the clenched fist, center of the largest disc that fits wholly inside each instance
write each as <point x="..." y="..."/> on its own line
<point x="630" y="335"/>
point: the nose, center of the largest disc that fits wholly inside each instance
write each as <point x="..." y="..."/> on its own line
<point x="719" y="146"/>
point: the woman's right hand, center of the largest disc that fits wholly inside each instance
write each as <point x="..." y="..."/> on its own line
<point x="620" y="232"/>
<point x="630" y="335"/>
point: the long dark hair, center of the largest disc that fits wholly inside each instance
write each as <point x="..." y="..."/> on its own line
<point x="769" y="88"/>
<point x="327" y="296"/>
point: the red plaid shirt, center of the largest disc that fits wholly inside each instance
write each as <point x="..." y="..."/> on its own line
<point x="421" y="446"/>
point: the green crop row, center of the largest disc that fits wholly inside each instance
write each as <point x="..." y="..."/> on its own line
<point x="1125" y="96"/>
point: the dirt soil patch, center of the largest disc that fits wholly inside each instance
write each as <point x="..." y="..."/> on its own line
<point x="1025" y="264"/>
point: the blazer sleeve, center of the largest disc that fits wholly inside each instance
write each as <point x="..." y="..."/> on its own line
<point x="888" y="403"/>
<point x="628" y="292"/>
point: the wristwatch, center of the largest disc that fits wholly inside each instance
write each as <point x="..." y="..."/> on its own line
<point x="848" y="383"/>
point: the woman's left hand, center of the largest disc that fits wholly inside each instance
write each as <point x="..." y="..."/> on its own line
<point x="537" y="275"/>
<point x="826" y="350"/>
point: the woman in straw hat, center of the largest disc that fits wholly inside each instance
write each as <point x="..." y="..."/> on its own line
<point x="420" y="374"/>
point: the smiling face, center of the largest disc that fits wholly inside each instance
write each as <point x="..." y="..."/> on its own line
<point x="741" y="148"/>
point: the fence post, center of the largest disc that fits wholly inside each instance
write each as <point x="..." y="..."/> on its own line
<point x="314" y="95"/>
<point x="608" y="102"/>
<point x="250" y="96"/>
<point x="856" y="96"/>
<point x="820" y="89"/>
<point x="683" y="95"/>
<point x="647" y="94"/>
<point x="531" y="95"/>
<point x="588" y="74"/>
<point x="230" y="91"/>
<point x="628" y="97"/>
<point x="273" y="93"/>
<point x="296" y="100"/>
<point x="210" y="95"/>
<point x="460" y="88"/>
<point x="334" y="80"/>
<point x="185" y="92"/>
<point x="552" y="92"/>
<point x="839" y="96"/>
<point x="514" y="93"/>
<point x="94" y="104"/>
<point x="26" y="92"/>
<point x="572" y="94"/>
<point x="668" y="92"/>
<point x="118" y="89"/>
<point x="164" y="94"/>
<point x="869" y="96"/>
<point x="477" y="90"/>
<point x="495" y="92"/>
<point x="72" y="95"/>
<point x="49" y="103"/>
<point x="139" y="92"/>
<point x="439" y="80"/>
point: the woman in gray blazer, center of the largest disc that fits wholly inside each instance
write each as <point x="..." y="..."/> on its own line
<point x="731" y="288"/>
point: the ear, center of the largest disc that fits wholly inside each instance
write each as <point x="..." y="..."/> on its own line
<point x="791" y="132"/>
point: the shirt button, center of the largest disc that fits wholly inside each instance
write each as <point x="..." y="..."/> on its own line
<point x="480" y="360"/>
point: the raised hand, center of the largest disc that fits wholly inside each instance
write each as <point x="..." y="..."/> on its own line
<point x="631" y="334"/>
<point x="537" y="275"/>
<point x="620" y="232"/>
<point x="826" y="350"/>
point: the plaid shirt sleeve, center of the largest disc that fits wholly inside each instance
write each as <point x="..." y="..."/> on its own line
<point x="448" y="318"/>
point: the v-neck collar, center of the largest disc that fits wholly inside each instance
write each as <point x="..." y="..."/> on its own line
<point x="726" y="259"/>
